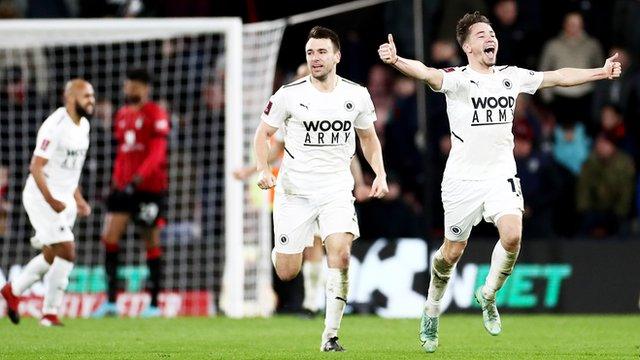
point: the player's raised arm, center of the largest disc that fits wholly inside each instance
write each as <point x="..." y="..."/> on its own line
<point x="261" y="147"/>
<point x="571" y="76"/>
<point x="413" y="68"/>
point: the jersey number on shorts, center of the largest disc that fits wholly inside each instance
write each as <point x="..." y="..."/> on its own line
<point x="515" y="186"/>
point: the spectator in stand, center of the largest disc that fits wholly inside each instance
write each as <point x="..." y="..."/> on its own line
<point x="572" y="48"/>
<point x="539" y="181"/>
<point x="400" y="150"/>
<point x="570" y="150"/>
<point x="515" y="42"/>
<point x="452" y="10"/>
<point x="605" y="189"/>
<point x="380" y="84"/>
<point x="571" y="146"/>
<point x="617" y="92"/>
<point x="612" y="123"/>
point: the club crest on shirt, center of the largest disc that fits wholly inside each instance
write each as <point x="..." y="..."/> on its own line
<point x="349" y="105"/>
<point x="283" y="239"/>
<point x="506" y="83"/>
<point x="139" y="122"/>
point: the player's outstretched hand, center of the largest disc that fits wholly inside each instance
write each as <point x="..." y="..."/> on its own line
<point x="387" y="51"/>
<point x="57" y="205"/>
<point x="612" y="68"/>
<point x="84" y="209"/>
<point x="379" y="187"/>
<point x="266" y="180"/>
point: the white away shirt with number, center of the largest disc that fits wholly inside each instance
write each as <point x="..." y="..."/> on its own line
<point x="319" y="134"/>
<point x="480" y="108"/>
<point x="65" y="145"/>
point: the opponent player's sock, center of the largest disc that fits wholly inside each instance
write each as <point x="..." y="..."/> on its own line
<point x="111" y="263"/>
<point x="31" y="273"/>
<point x="440" y="274"/>
<point x="502" y="263"/>
<point x="337" y="287"/>
<point x="58" y="281"/>
<point x="154" y="263"/>
<point x="312" y="273"/>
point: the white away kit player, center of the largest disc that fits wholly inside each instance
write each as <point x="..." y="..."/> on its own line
<point x="320" y="115"/>
<point x="52" y="200"/>
<point x="480" y="179"/>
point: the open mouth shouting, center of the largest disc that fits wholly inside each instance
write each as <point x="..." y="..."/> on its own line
<point x="490" y="51"/>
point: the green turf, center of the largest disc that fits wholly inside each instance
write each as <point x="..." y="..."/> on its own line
<point x="461" y="337"/>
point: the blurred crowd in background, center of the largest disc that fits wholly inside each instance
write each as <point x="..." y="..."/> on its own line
<point x="577" y="149"/>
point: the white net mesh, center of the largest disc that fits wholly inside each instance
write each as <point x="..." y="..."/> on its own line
<point x="261" y="43"/>
<point x="187" y="60"/>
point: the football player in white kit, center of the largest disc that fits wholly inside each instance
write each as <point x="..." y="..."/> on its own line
<point x="480" y="178"/>
<point x="320" y="116"/>
<point x="52" y="200"/>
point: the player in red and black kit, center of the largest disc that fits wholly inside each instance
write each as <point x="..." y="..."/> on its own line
<point x="139" y="185"/>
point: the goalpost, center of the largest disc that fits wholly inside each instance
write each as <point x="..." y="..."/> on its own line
<point x="214" y="76"/>
<point x="215" y="241"/>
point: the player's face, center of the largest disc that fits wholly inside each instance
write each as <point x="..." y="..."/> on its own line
<point x="135" y="91"/>
<point x="86" y="101"/>
<point x="482" y="44"/>
<point x="321" y="57"/>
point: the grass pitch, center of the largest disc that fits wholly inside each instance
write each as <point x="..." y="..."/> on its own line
<point x="289" y="337"/>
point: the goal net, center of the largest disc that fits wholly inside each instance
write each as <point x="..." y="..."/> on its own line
<point x="213" y="78"/>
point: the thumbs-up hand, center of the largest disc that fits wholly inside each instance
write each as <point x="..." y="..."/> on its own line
<point x="612" y="68"/>
<point x="387" y="51"/>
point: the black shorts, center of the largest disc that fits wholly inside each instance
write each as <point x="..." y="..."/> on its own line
<point x="146" y="208"/>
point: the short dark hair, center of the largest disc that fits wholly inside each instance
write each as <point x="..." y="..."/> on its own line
<point x="140" y="75"/>
<point x="320" y="32"/>
<point x="465" y="23"/>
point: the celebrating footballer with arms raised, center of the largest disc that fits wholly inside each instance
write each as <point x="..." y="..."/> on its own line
<point x="320" y="116"/>
<point x="480" y="177"/>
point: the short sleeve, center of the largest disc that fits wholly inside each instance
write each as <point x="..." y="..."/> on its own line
<point x="160" y="121"/>
<point x="450" y="80"/>
<point x="529" y="80"/>
<point x="367" y="115"/>
<point x="275" y="112"/>
<point x="47" y="139"/>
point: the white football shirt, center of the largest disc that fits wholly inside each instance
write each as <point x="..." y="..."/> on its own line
<point x="65" y="145"/>
<point x="480" y="108"/>
<point x="319" y="134"/>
